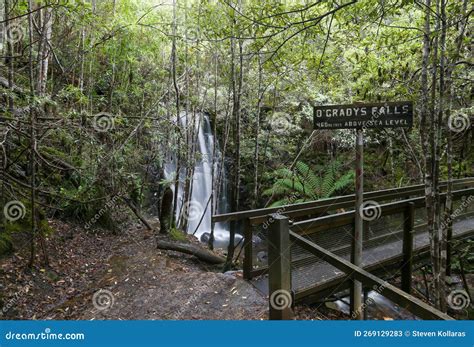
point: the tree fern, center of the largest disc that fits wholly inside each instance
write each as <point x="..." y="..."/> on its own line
<point x="306" y="184"/>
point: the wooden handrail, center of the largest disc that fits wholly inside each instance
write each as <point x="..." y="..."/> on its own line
<point x="346" y="218"/>
<point x="333" y="221"/>
<point x="322" y="203"/>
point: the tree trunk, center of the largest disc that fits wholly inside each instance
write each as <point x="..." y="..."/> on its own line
<point x="202" y="254"/>
<point x="448" y="222"/>
<point x="166" y="211"/>
<point x="442" y="230"/>
<point x="236" y="81"/>
<point x="32" y="138"/>
<point x="44" y="51"/>
<point x="177" y="125"/>
<point x="435" y="156"/>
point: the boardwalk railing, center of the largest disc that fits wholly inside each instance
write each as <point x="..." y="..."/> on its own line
<point x="334" y="232"/>
<point x="321" y="221"/>
<point x="280" y="266"/>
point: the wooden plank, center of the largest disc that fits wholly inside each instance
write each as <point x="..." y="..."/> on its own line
<point x="248" y="251"/>
<point x="279" y="272"/>
<point x="398" y="296"/>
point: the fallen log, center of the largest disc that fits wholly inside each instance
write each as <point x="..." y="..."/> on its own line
<point x="188" y="248"/>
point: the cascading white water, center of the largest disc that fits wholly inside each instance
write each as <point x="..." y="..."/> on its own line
<point x="198" y="207"/>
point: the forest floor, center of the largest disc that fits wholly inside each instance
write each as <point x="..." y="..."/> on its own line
<point x="122" y="275"/>
<point x="104" y="275"/>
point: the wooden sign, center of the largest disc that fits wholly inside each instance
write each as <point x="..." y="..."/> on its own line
<point x="359" y="116"/>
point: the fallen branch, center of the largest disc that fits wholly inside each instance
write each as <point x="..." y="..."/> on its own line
<point x="197" y="251"/>
<point x="136" y="212"/>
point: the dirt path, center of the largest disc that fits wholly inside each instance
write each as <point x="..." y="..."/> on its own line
<point x="103" y="276"/>
<point x="149" y="284"/>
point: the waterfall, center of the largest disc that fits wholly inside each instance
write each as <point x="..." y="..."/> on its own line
<point x="198" y="220"/>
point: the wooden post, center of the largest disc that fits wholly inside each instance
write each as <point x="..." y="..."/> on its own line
<point x="231" y="246"/>
<point x="279" y="268"/>
<point x="366" y="301"/>
<point x="248" y="254"/>
<point x="357" y="240"/>
<point x="407" y="265"/>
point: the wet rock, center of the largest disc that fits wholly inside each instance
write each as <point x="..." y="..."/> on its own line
<point x="262" y="256"/>
<point x="220" y="241"/>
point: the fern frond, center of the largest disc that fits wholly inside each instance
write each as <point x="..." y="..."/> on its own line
<point x="341" y="183"/>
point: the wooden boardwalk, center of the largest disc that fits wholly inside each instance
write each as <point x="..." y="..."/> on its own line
<point x="315" y="275"/>
<point x="322" y="233"/>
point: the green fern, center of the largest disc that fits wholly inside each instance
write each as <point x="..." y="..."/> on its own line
<point x="306" y="185"/>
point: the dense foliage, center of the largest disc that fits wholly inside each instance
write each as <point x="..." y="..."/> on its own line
<point x="100" y="120"/>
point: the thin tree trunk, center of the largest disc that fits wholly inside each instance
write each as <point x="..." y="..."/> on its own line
<point x="236" y="81"/>
<point x="32" y="138"/>
<point x="448" y="222"/>
<point x="177" y="125"/>
<point x="9" y="59"/>
<point x="44" y="52"/>
<point x="257" y="131"/>
<point x="442" y="230"/>
<point x="435" y="141"/>
<point x="214" y="197"/>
